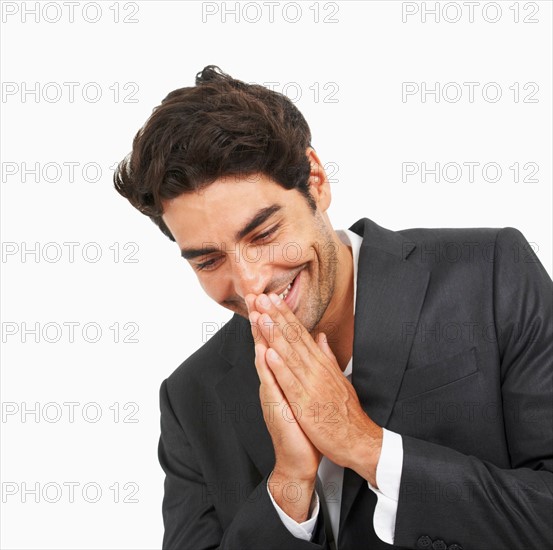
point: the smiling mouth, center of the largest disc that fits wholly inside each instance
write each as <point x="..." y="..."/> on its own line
<point x="283" y="295"/>
<point x="290" y="293"/>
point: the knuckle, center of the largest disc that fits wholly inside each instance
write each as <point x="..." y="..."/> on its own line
<point x="292" y="332"/>
<point x="292" y="357"/>
<point x="294" y="386"/>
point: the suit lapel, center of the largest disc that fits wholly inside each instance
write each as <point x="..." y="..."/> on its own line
<point x="390" y="293"/>
<point x="239" y="391"/>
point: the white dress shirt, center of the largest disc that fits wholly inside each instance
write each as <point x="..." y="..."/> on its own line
<point x="388" y="470"/>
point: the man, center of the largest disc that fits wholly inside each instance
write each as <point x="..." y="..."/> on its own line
<point x="374" y="388"/>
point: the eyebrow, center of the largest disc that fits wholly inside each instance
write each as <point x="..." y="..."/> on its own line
<point x="259" y="217"/>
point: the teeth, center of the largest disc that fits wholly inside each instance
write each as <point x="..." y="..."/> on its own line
<point x="286" y="291"/>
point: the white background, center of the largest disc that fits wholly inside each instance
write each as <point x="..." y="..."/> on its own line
<point x="365" y="56"/>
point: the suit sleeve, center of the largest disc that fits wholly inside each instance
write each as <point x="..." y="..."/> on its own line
<point x="189" y="515"/>
<point x="473" y="503"/>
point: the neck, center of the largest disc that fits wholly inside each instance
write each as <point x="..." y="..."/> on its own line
<point x="338" y="318"/>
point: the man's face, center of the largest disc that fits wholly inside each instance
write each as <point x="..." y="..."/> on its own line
<point x="250" y="235"/>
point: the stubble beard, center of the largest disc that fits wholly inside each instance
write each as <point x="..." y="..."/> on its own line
<point x="317" y="305"/>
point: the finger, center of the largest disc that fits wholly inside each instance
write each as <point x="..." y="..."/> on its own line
<point x="280" y="332"/>
<point x="269" y="390"/>
<point x="300" y="332"/>
<point x="256" y="330"/>
<point x="295" y="358"/>
<point x="284" y="377"/>
<point x="250" y="302"/>
<point x="322" y="342"/>
<point x="263" y="371"/>
<point x="296" y="340"/>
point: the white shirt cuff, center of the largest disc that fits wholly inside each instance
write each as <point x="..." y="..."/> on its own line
<point x="302" y="530"/>
<point x="388" y="479"/>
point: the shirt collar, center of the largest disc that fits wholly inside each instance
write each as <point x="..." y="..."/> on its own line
<point x="353" y="240"/>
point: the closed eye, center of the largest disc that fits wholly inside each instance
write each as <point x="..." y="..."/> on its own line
<point x="266" y="234"/>
<point x="212" y="263"/>
<point x="207" y="264"/>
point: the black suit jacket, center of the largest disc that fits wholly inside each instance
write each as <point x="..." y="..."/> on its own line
<point x="452" y="350"/>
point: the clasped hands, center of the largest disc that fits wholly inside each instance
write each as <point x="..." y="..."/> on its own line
<point x="309" y="406"/>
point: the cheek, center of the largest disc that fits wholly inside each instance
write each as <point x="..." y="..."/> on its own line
<point x="292" y="252"/>
<point x="218" y="289"/>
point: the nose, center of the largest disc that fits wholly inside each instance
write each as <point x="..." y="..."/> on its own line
<point x="249" y="277"/>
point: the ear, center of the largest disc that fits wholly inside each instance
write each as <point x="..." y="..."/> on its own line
<point x="318" y="181"/>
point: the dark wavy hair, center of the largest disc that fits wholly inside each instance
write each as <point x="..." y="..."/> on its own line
<point x="220" y="127"/>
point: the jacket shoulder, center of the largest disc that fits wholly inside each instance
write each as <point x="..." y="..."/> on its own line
<point x="451" y="234"/>
<point x="445" y="247"/>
